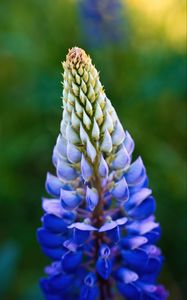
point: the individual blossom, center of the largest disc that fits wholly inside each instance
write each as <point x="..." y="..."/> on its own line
<point x="98" y="226"/>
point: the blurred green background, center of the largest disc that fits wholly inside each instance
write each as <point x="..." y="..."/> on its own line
<point x="139" y="48"/>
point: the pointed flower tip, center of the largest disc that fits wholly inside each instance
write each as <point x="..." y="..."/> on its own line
<point x="76" y="55"/>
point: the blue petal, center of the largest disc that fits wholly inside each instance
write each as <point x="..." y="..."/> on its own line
<point x="71" y="260"/>
<point x="48" y="239"/>
<point x="89" y="290"/>
<point x="118" y="134"/>
<point x="53" y="185"/>
<point x="60" y="149"/>
<point x="133" y="242"/>
<point x="114" y="234"/>
<point x="52" y="206"/>
<point x="135" y="172"/>
<point x="53" y="269"/>
<point x="61" y="282"/>
<point x="53" y="253"/>
<point x="104" y="251"/>
<point x="104" y="267"/>
<point x="54" y="224"/>
<point x="86" y="169"/>
<point x="142" y="227"/>
<point x="91" y="152"/>
<point x="84" y="226"/>
<point x="129" y="291"/>
<point x="153" y="235"/>
<point x="138" y="197"/>
<point x="73" y="154"/>
<point x="92" y="198"/>
<point x="129" y="143"/>
<point x="126" y="275"/>
<point x="120" y="190"/>
<point x="104" y="264"/>
<point x="70" y="199"/>
<point x="61" y="145"/>
<point x="121" y="160"/>
<point x="65" y="171"/>
<point x="141" y="261"/>
<point x="103" y="167"/>
<point x="144" y="210"/>
<point x="81" y="232"/>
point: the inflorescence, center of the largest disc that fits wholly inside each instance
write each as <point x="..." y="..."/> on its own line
<point x="98" y="226"/>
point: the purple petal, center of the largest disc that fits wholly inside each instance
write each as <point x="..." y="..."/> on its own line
<point x="121" y="221"/>
<point x="103" y="167"/>
<point x="86" y="169"/>
<point x="118" y="134"/>
<point x="70" y="199"/>
<point x="82" y="226"/>
<point x="53" y="185"/>
<point x="129" y="143"/>
<point x="134" y="242"/>
<point x="138" y="197"/>
<point x="90" y="150"/>
<point x="142" y="227"/>
<point x="120" y="190"/>
<point x="73" y="154"/>
<point x="92" y="198"/>
<point x="53" y="206"/>
<point x="127" y="276"/>
<point x="104" y="251"/>
<point x="121" y="160"/>
<point x="65" y="171"/>
<point x="108" y="226"/>
<point x="135" y="172"/>
<point x="106" y="145"/>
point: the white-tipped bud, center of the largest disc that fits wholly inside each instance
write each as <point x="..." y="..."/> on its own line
<point x="98" y="114"/>
<point x="78" y="109"/>
<point x="71" y="98"/>
<point x="80" y="71"/>
<point x="86" y="120"/>
<point x="95" y="131"/>
<point x="83" y="86"/>
<point x="69" y="107"/>
<point x="108" y="123"/>
<point x="78" y="79"/>
<point x="101" y="100"/>
<point x="106" y="145"/>
<point x="91" y="79"/>
<point x="118" y="135"/>
<point x="82" y="97"/>
<point x="71" y="135"/>
<point x="91" y="152"/>
<point x="83" y="135"/>
<point x="75" y="120"/>
<point x="89" y="107"/>
<point x="85" y="76"/>
<point x="91" y="93"/>
<point x="75" y="89"/>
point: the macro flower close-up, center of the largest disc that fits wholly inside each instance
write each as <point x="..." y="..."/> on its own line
<point x="98" y="226"/>
<point x="93" y="166"/>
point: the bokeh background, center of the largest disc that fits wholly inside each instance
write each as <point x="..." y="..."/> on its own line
<point x="139" y="48"/>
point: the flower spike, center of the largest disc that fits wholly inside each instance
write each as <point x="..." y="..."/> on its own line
<point x="98" y="227"/>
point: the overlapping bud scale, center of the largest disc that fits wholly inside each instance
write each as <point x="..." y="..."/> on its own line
<point x="99" y="227"/>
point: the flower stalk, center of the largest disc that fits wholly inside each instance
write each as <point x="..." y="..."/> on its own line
<point x="98" y="226"/>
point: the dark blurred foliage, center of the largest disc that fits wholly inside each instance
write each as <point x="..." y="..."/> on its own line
<point x="143" y="72"/>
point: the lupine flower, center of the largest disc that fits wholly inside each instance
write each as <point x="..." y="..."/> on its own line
<point x="102" y="20"/>
<point x="98" y="227"/>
